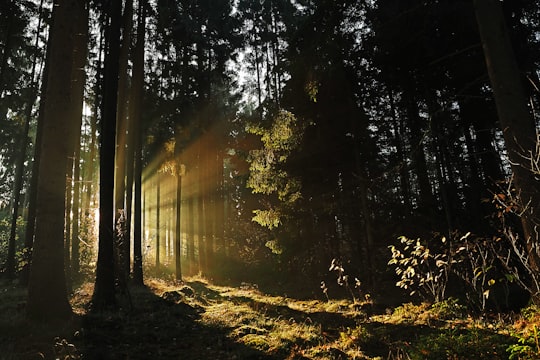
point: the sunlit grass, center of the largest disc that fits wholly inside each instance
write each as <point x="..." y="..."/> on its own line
<point x="216" y="320"/>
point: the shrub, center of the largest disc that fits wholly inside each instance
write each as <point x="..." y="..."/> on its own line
<point x="422" y="270"/>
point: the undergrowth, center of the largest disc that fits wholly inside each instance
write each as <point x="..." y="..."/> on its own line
<point x="195" y="319"/>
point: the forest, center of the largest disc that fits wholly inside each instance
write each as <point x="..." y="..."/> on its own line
<point x="270" y="179"/>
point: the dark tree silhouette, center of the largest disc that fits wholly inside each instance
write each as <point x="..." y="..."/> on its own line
<point x="104" y="292"/>
<point x="47" y="295"/>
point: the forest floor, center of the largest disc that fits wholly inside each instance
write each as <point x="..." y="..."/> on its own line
<point x="199" y="320"/>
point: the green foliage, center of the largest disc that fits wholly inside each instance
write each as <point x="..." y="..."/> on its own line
<point x="530" y="312"/>
<point x="448" y="309"/>
<point x="409" y="313"/>
<point x="457" y="343"/>
<point x="268" y="175"/>
<point x="527" y="347"/>
<point x="23" y="258"/>
<point x="267" y="218"/>
<point x="274" y="246"/>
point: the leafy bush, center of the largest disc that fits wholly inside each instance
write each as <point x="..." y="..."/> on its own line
<point x="448" y="309"/>
<point x="527" y="344"/>
<point x="527" y="347"/>
<point x="426" y="270"/>
<point x="420" y="269"/>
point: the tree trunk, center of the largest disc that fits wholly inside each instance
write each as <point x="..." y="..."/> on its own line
<point x="67" y="209"/>
<point x="104" y="294"/>
<point x="158" y="225"/>
<point x="191" y="235"/>
<point x="178" y="233"/>
<point x="79" y="81"/>
<point x="517" y="122"/>
<point x="123" y="244"/>
<point x="136" y="99"/>
<point x="418" y="154"/>
<point x="32" y="203"/>
<point x="201" y="237"/>
<point x="47" y="294"/>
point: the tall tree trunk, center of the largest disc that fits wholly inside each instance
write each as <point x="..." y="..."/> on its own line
<point x="68" y="205"/>
<point x="178" y="233"/>
<point x="219" y="199"/>
<point x="47" y="294"/>
<point x="136" y="100"/>
<point x="399" y="142"/>
<point x="418" y="154"/>
<point x="32" y="203"/>
<point x="123" y="244"/>
<point x="79" y="81"/>
<point x="158" y="225"/>
<point x="517" y="122"/>
<point x="201" y="237"/>
<point x="130" y="167"/>
<point x="104" y="294"/>
<point x="89" y="174"/>
<point x="191" y="235"/>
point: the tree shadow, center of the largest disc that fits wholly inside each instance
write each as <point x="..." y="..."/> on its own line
<point x="329" y="320"/>
<point x="157" y="328"/>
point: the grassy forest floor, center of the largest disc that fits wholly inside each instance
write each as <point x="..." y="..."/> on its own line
<point x="199" y="320"/>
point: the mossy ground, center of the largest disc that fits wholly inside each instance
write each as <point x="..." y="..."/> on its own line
<point x="198" y="320"/>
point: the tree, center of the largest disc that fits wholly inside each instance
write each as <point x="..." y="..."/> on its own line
<point x="73" y="169"/>
<point x="47" y="294"/>
<point x="516" y="119"/>
<point x="137" y="91"/>
<point x="123" y="241"/>
<point x="104" y="292"/>
<point x="178" y="148"/>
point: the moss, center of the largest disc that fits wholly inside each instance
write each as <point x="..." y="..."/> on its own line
<point x="256" y="341"/>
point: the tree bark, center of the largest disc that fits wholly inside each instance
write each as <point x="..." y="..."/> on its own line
<point x="516" y="120"/>
<point x="178" y="233"/>
<point x="104" y="294"/>
<point x="79" y="81"/>
<point x="135" y="101"/>
<point x="47" y="294"/>
<point x="201" y="233"/>
<point x="158" y="225"/>
<point x="123" y="243"/>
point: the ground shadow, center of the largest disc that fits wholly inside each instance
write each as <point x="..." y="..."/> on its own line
<point x="157" y="328"/>
<point x="433" y="342"/>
